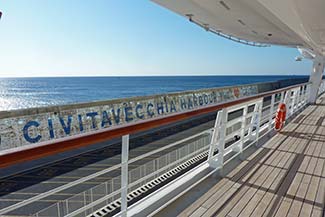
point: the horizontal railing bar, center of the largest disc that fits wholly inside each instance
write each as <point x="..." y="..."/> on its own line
<point x="172" y="118"/>
<point x="56" y="190"/>
<point x="88" y="206"/>
<point x="45" y="149"/>
<point x="238" y="119"/>
<point x="132" y="160"/>
<point x="242" y="105"/>
<point x="132" y="184"/>
<point x="233" y="122"/>
<point x="197" y="152"/>
<point x="92" y="176"/>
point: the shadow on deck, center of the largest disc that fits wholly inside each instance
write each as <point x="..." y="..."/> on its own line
<point x="285" y="177"/>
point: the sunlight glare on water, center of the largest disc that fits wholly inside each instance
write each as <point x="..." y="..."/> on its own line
<point x="21" y="93"/>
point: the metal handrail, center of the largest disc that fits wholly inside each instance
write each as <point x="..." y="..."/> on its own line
<point x="233" y="105"/>
<point x="49" y="148"/>
<point x="95" y="175"/>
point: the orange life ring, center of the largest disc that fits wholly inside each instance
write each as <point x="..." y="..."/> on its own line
<point x="280" y="116"/>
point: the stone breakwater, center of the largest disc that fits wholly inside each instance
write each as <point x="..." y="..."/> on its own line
<point x="32" y="126"/>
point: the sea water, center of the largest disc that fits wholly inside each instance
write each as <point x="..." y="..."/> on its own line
<point x="20" y="93"/>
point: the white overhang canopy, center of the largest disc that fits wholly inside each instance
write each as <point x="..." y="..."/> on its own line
<point x="293" y="23"/>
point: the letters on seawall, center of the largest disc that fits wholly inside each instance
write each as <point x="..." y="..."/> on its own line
<point x="43" y="126"/>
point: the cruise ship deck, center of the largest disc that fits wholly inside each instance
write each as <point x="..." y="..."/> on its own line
<point x="220" y="159"/>
<point x="284" y="177"/>
<point x="246" y="150"/>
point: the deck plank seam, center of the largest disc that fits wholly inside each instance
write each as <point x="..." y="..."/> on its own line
<point x="279" y="136"/>
<point x="255" y="190"/>
<point x="279" y="172"/>
<point x="261" y="203"/>
<point x="306" y="112"/>
<point x="289" y="177"/>
<point x="271" y="153"/>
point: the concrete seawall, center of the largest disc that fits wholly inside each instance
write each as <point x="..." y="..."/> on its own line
<point x="31" y="126"/>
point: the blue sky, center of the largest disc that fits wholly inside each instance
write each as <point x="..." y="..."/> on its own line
<point x="123" y="37"/>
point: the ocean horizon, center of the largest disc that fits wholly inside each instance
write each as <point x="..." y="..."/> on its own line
<point x="22" y="93"/>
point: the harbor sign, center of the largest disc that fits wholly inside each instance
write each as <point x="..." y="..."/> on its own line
<point x="31" y="126"/>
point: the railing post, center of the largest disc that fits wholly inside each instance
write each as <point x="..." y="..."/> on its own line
<point x="58" y="208"/>
<point x="214" y="136"/>
<point x="67" y="205"/>
<point x="294" y="101"/>
<point x="221" y="144"/>
<point x="91" y="199"/>
<point x="304" y="92"/>
<point x="299" y="98"/>
<point x="250" y="128"/>
<point x="282" y="96"/>
<point x="258" y="120"/>
<point x="292" y="97"/>
<point x="242" y="132"/>
<point x="304" y="98"/>
<point x="271" y="112"/>
<point x="308" y="92"/>
<point x="253" y="121"/>
<point x="218" y="141"/>
<point x="286" y="101"/>
<point x="124" y="175"/>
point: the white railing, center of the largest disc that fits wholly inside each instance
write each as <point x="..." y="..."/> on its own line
<point x="236" y="128"/>
<point x="252" y="124"/>
<point x="109" y="191"/>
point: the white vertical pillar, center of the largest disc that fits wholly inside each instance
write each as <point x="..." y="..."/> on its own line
<point x="298" y="98"/>
<point x="218" y="141"/>
<point x="214" y="137"/>
<point x="258" y="121"/>
<point x="253" y="121"/>
<point x="242" y="131"/>
<point x="286" y="101"/>
<point x="271" y="112"/>
<point x="222" y="141"/>
<point x="294" y="101"/>
<point x="124" y="175"/>
<point x="316" y="78"/>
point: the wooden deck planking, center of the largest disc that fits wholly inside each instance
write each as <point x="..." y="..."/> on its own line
<point x="285" y="202"/>
<point x="259" y="176"/>
<point x="235" y="174"/>
<point x="287" y="205"/>
<point x="288" y="180"/>
<point x="224" y="185"/>
<point x="307" y="206"/>
<point x="303" y="201"/>
<point x="270" y="184"/>
<point x="253" y="171"/>
<point x="242" y="202"/>
<point x="318" y="205"/>
<point x="288" y="144"/>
